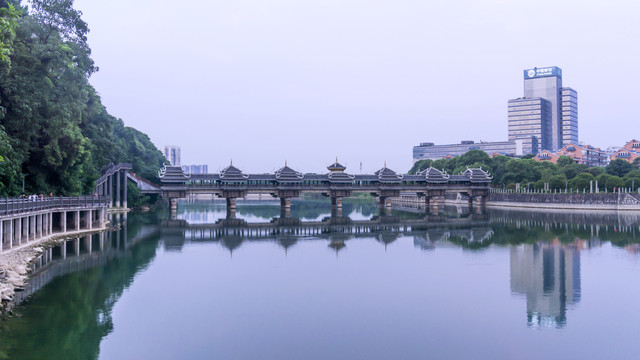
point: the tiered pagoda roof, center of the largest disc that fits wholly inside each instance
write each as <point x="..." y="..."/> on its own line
<point x="172" y="174"/>
<point x="477" y="175"/>
<point x="336" y="166"/>
<point x="287" y="174"/>
<point x="434" y="175"/>
<point x="386" y="175"/>
<point x="337" y="174"/>
<point x="232" y="173"/>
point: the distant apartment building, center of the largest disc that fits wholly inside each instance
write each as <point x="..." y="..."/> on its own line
<point x="581" y="154"/>
<point x="629" y="152"/>
<point x="172" y="154"/>
<point x="195" y="169"/>
<point x="548" y="111"/>
<point x="431" y="151"/>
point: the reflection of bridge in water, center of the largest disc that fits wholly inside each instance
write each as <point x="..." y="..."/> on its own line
<point x="337" y="230"/>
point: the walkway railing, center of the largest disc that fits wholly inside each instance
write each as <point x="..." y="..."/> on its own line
<point x="14" y="206"/>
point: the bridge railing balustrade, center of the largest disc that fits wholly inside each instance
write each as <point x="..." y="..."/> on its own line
<point x="10" y="206"/>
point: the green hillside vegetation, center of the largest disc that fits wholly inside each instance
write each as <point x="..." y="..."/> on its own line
<point x="54" y="130"/>
<point x="533" y="174"/>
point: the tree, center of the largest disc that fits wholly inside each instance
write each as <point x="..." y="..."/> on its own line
<point x="618" y="167"/>
<point x="558" y="182"/>
<point x="614" y="182"/>
<point x="582" y="181"/>
<point x="636" y="162"/>
<point x="564" y="161"/>
<point x="472" y="157"/>
<point x="9" y="16"/>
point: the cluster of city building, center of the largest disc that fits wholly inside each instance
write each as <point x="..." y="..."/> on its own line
<point x="544" y="123"/>
<point x="172" y="154"/>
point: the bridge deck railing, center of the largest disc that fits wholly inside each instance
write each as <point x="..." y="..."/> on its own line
<point x="13" y="206"/>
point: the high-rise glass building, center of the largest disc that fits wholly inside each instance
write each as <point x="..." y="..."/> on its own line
<point x="569" y="116"/>
<point x="546" y="83"/>
<point x="172" y="153"/>
<point x="530" y="121"/>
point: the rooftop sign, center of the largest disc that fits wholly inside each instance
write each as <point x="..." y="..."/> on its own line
<point x="543" y="72"/>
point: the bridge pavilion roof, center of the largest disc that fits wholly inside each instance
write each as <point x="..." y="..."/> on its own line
<point x="433" y="175"/>
<point x="386" y="175"/>
<point x="287" y="174"/>
<point x="232" y="173"/>
<point x="340" y="177"/>
<point x="477" y="175"/>
<point x="336" y="166"/>
<point x="173" y="174"/>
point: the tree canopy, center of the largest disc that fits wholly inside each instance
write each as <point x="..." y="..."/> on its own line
<point x="55" y="132"/>
<point x="534" y="174"/>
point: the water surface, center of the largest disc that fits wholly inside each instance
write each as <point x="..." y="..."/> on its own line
<point x="502" y="284"/>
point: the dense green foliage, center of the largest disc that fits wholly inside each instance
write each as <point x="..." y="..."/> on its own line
<point x="534" y="174"/>
<point x="55" y="131"/>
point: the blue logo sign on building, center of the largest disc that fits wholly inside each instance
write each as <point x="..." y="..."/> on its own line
<point x="542" y="72"/>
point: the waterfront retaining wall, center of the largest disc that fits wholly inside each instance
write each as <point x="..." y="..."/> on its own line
<point x="615" y="201"/>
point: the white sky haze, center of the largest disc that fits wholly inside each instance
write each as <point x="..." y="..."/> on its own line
<point x="305" y="81"/>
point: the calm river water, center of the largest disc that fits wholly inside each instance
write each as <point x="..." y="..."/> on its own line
<point x="498" y="285"/>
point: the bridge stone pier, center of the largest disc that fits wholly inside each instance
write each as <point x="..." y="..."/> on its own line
<point x="286" y="183"/>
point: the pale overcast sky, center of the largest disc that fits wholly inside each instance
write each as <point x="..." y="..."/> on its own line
<point x="305" y="81"/>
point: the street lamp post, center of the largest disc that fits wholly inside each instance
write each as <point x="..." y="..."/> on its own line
<point x="23" y="176"/>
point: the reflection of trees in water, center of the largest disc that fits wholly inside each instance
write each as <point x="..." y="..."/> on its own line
<point x="68" y="318"/>
<point x="547" y="228"/>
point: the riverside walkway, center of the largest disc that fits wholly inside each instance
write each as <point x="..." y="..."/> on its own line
<point x="23" y="221"/>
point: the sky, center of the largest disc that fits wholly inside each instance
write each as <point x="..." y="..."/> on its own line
<point x="264" y="82"/>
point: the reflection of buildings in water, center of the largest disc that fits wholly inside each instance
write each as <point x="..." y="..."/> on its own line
<point x="424" y="242"/>
<point x="549" y="276"/>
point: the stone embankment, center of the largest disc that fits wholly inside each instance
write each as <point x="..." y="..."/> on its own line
<point x="16" y="264"/>
<point x="610" y="201"/>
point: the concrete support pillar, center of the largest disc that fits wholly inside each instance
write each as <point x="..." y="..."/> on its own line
<point x="19" y="231"/>
<point x="76" y="220"/>
<point x="10" y="234"/>
<point x="231" y="208"/>
<point x="76" y="247"/>
<point x="63" y="221"/>
<point x="25" y="229"/>
<point x="110" y="190"/>
<point x="124" y="196"/>
<point x="90" y="216"/>
<point x="50" y="223"/>
<point x="1" y="235"/>
<point x="32" y="227"/>
<point x="118" y="189"/>
<point x="39" y="225"/>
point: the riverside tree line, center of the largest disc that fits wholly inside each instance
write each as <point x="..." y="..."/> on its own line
<point x="532" y="174"/>
<point x="55" y="134"/>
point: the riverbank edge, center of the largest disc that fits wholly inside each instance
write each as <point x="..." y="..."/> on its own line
<point x="15" y="264"/>
<point x="561" y="206"/>
<point x="611" y="201"/>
